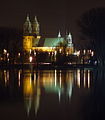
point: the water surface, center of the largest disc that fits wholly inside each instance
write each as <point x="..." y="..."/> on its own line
<point x="48" y="95"/>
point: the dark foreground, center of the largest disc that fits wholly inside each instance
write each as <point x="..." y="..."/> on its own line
<point x="77" y="94"/>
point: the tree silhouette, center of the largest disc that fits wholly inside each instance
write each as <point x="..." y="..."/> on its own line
<point x="92" y="27"/>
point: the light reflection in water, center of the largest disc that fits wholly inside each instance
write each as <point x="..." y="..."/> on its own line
<point x="78" y="78"/>
<point x="31" y="91"/>
<point x="55" y="77"/>
<point x="53" y="82"/>
<point x="69" y="80"/>
<point x="58" y="82"/>
<point x="19" y="74"/>
<point x="60" y="79"/>
<point x="84" y="78"/>
<point x="88" y="78"/>
<point x="6" y="77"/>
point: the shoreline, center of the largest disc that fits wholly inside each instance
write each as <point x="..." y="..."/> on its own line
<point x="47" y="66"/>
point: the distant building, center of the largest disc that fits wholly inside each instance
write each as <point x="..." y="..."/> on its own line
<point x="33" y="41"/>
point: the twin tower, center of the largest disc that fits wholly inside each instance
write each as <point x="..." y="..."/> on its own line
<point x="31" y="28"/>
<point x="32" y="39"/>
<point x="31" y="31"/>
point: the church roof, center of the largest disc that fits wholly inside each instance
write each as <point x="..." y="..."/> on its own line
<point x="49" y="42"/>
<point x="52" y="42"/>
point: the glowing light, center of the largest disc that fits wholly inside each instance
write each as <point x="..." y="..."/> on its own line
<point x="84" y="78"/>
<point x="78" y="78"/>
<point x="55" y="52"/>
<point x="5" y="51"/>
<point x="30" y="51"/>
<point x="92" y="53"/>
<point x="84" y="52"/>
<point x="95" y="62"/>
<point x="49" y="53"/>
<point x="7" y="55"/>
<point x="69" y="63"/>
<point x="77" y="53"/>
<point x="1" y="58"/>
<point x="67" y="53"/>
<point x="37" y="103"/>
<point x="59" y="93"/>
<point x="28" y="88"/>
<point x="30" y="58"/>
<point x="8" y="59"/>
<point x="70" y="90"/>
<point x="19" y="77"/>
<point x="31" y="93"/>
<point x="55" y="78"/>
<point x="34" y="53"/>
<point x="47" y="49"/>
<point x="60" y="79"/>
<point x="88" y="78"/>
<point x="48" y="80"/>
<point x="35" y="78"/>
<point x="19" y="54"/>
<point x="5" y="77"/>
<point x="45" y="63"/>
<point x="60" y="50"/>
<point x="38" y="37"/>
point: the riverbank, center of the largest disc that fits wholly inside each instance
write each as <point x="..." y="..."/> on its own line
<point x="45" y="66"/>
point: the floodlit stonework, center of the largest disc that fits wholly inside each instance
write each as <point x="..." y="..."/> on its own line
<point x="33" y="41"/>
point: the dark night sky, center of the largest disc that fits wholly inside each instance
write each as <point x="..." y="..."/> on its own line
<point x="52" y="14"/>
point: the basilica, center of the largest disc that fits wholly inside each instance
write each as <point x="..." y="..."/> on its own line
<point x="32" y="40"/>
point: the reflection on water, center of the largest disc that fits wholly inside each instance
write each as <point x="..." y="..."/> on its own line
<point x="34" y="86"/>
<point x="6" y="77"/>
<point x="83" y="78"/>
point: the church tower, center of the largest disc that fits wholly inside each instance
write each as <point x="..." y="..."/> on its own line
<point x="35" y="32"/>
<point x="27" y="28"/>
<point x="27" y="35"/>
<point x="69" y="40"/>
<point x="35" y="27"/>
<point x="70" y="46"/>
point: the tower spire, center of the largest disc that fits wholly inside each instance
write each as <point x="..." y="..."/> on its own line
<point x="36" y="19"/>
<point x="28" y="19"/>
<point x="69" y="40"/>
<point x="70" y="37"/>
<point x="59" y="34"/>
<point x="35" y="26"/>
<point x="27" y="26"/>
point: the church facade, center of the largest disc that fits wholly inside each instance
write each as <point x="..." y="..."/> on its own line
<point x="33" y="41"/>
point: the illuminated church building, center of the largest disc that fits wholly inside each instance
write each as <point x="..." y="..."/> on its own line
<point x="33" y="41"/>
